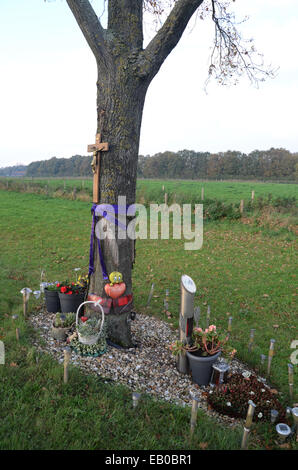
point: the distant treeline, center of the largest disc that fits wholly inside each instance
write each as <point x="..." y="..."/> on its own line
<point x="74" y="166"/>
<point x="186" y="164"/>
<point x="273" y="164"/>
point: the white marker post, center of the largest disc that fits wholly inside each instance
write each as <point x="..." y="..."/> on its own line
<point x="291" y="379"/>
<point x="248" y="424"/>
<point x="15" y="317"/>
<point x="67" y="355"/>
<point x="135" y="399"/>
<point x="26" y="294"/>
<point x="270" y="355"/>
<point x="194" y="414"/>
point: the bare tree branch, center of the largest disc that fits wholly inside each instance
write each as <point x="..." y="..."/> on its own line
<point x="232" y="55"/>
<point x="90" y="27"/>
<point x="167" y="37"/>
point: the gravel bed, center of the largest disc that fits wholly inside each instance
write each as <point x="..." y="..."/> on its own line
<point x="149" y="368"/>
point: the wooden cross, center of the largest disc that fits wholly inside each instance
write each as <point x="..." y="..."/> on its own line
<point x="96" y="149"/>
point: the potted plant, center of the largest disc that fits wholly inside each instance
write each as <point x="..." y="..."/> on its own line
<point x="52" y="298"/>
<point x="71" y="295"/>
<point x="62" y="324"/>
<point x="205" y="348"/>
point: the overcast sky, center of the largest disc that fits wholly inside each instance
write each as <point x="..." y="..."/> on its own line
<point x="48" y="86"/>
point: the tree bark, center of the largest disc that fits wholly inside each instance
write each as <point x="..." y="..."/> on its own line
<point x="125" y="71"/>
<point x="120" y="101"/>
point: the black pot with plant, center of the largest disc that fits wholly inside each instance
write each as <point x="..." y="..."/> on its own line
<point x="52" y="298"/>
<point x="71" y="296"/>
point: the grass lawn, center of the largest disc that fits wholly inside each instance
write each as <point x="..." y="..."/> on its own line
<point x="242" y="270"/>
<point x="227" y="191"/>
<point x="185" y="191"/>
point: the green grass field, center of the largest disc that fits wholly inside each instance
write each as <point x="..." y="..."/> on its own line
<point x="247" y="271"/>
<point x="184" y="190"/>
<point x="227" y="191"/>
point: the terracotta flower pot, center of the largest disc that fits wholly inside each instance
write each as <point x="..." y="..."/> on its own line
<point x="201" y="367"/>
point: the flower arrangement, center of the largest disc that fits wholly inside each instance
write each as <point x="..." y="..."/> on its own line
<point x="232" y="398"/>
<point x="76" y="288"/>
<point x="204" y="343"/>
<point x="52" y="286"/>
<point x="88" y="327"/>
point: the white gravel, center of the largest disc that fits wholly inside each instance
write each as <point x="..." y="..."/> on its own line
<point x="149" y="368"/>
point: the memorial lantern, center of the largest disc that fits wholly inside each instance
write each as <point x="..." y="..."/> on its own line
<point x="188" y="290"/>
<point x="220" y="372"/>
<point x="283" y="431"/>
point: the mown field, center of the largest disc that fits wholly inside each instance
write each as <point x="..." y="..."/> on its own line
<point x="246" y="269"/>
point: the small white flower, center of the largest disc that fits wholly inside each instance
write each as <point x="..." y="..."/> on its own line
<point x="36" y="294"/>
<point x="263" y="390"/>
<point x="260" y="415"/>
<point x="251" y="393"/>
<point x="246" y="374"/>
<point x="267" y="401"/>
<point x="229" y="403"/>
<point x="43" y="285"/>
<point x="211" y="391"/>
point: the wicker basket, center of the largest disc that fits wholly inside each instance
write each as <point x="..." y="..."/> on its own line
<point x="94" y="338"/>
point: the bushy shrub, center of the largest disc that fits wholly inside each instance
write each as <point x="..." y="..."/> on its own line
<point x="215" y="210"/>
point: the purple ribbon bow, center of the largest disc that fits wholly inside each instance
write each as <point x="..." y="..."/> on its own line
<point x="107" y="211"/>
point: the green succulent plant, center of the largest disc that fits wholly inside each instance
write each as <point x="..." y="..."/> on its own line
<point x="64" y="320"/>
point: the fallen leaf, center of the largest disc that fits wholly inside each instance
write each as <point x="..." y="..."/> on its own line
<point x="203" y="445"/>
<point x="13" y="364"/>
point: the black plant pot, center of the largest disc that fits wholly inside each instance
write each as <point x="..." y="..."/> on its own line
<point x="52" y="301"/>
<point x="70" y="303"/>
